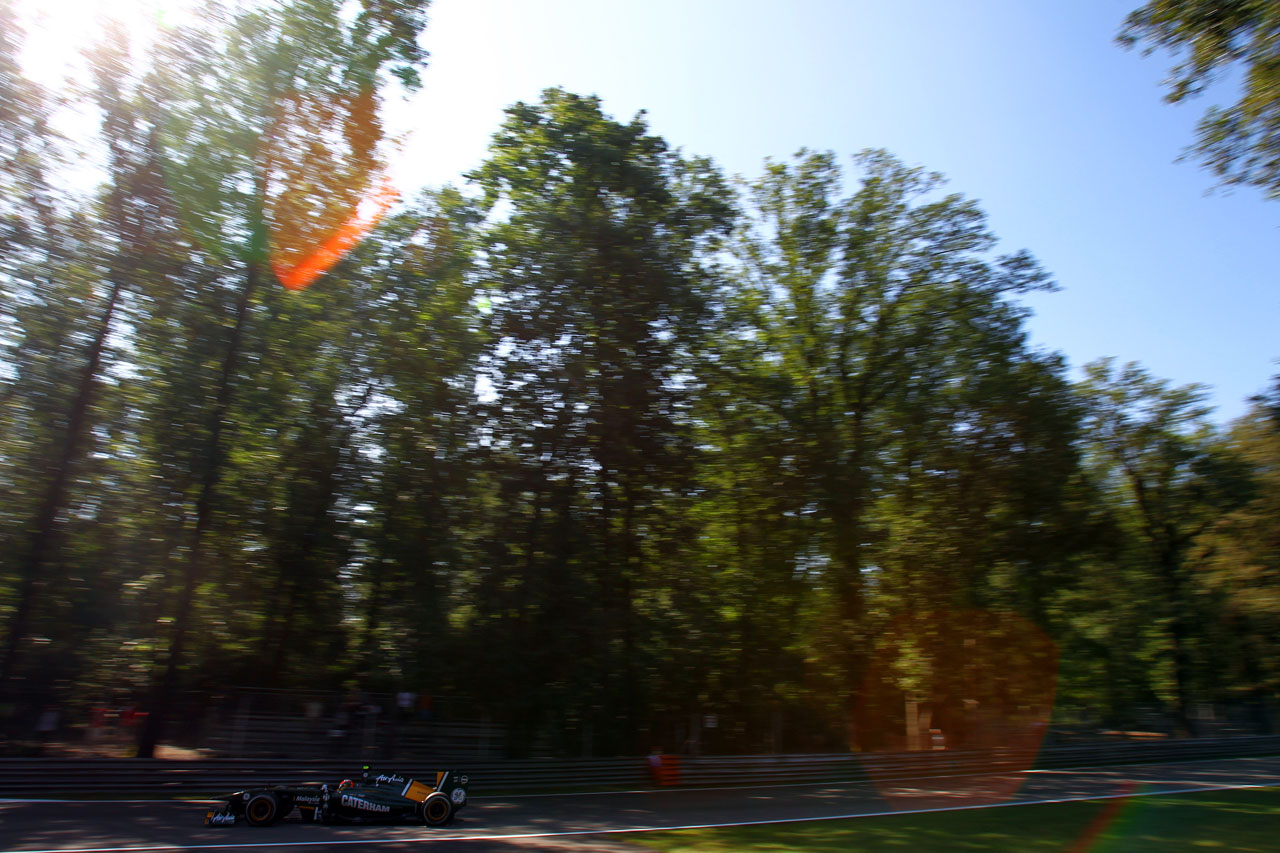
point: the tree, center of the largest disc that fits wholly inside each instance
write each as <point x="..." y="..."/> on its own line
<point x="1239" y="557"/>
<point x="52" y="288"/>
<point x="27" y="148"/>
<point x="1239" y="143"/>
<point x="858" y="316"/>
<point x="270" y="139"/>
<point x="597" y="277"/>
<point x="419" y="499"/>
<point x="1152" y="449"/>
<point x="977" y="536"/>
<point x="1270" y="401"/>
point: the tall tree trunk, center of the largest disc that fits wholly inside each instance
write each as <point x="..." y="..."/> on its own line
<point x="630" y="679"/>
<point x="285" y="638"/>
<point x="372" y="613"/>
<point x="1180" y="633"/>
<point x="44" y="530"/>
<point x="193" y="573"/>
<point x="846" y="492"/>
<point x="294" y="566"/>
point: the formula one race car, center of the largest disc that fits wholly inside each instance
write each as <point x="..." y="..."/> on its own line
<point x="385" y="798"/>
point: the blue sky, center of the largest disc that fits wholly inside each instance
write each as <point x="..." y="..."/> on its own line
<point x="1025" y="105"/>
<point x="1029" y="107"/>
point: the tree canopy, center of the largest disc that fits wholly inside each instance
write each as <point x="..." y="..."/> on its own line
<point x="1240" y="143"/>
<point x="600" y="446"/>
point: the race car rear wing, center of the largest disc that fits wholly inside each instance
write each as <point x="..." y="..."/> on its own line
<point x="446" y="782"/>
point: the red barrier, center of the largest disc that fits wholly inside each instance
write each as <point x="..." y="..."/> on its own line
<point x="665" y="769"/>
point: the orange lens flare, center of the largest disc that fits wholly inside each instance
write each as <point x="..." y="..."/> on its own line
<point x="322" y="258"/>
<point x="977" y="685"/>
<point x="1103" y="820"/>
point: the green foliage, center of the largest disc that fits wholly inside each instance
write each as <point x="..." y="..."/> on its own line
<point x="272" y="132"/>
<point x="414" y="503"/>
<point x="57" y="312"/>
<point x="1239" y="557"/>
<point x="597" y="276"/>
<point x="1166" y="479"/>
<point x="1239" y="143"/>
<point x="872" y="342"/>
<point x="605" y="447"/>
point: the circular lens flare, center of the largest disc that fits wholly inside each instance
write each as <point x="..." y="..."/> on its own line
<point x="977" y="686"/>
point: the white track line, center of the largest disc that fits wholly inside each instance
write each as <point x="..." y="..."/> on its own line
<point x="681" y="789"/>
<point x="632" y="830"/>
<point x="45" y="799"/>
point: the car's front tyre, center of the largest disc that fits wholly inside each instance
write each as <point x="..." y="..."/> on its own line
<point x="262" y="810"/>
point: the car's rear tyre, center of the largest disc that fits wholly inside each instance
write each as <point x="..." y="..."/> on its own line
<point x="436" y="810"/>
<point x="262" y="810"/>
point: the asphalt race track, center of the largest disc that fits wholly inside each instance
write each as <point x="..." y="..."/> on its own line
<point x="593" y="822"/>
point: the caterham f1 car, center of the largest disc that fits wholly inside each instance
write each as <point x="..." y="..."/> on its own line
<point x="385" y="798"/>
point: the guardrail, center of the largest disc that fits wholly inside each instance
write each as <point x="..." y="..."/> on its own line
<point x="36" y="777"/>
<point x="908" y="765"/>
<point x="274" y="736"/>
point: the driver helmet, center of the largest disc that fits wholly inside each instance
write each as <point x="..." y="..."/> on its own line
<point x="346" y="783"/>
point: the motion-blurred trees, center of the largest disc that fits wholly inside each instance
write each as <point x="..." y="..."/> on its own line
<point x="418" y="502"/>
<point x="270" y="138"/>
<point x="1239" y="143"/>
<point x="1167" y="480"/>
<point x="60" y="303"/>
<point x="600" y="443"/>
<point x="1239" y="556"/>
<point x="596" y="273"/>
<point x="876" y="333"/>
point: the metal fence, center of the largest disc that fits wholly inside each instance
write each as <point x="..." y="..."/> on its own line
<point x="43" y="777"/>
<point x="261" y="723"/>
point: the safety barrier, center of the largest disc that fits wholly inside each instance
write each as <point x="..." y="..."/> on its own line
<point x="665" y="769"/>
<point x="36" y="777"/>
<point x="738" y="770"/>
<point x="276" y="736"/>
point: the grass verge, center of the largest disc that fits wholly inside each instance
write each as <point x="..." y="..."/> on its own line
<point x="1241" y="820"/>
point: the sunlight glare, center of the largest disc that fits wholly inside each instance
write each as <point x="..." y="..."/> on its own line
<point x="58" y="31"/>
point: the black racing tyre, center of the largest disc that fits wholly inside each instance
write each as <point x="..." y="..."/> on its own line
<point x="436" y="810"/>
<point x="262" y="810"/>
